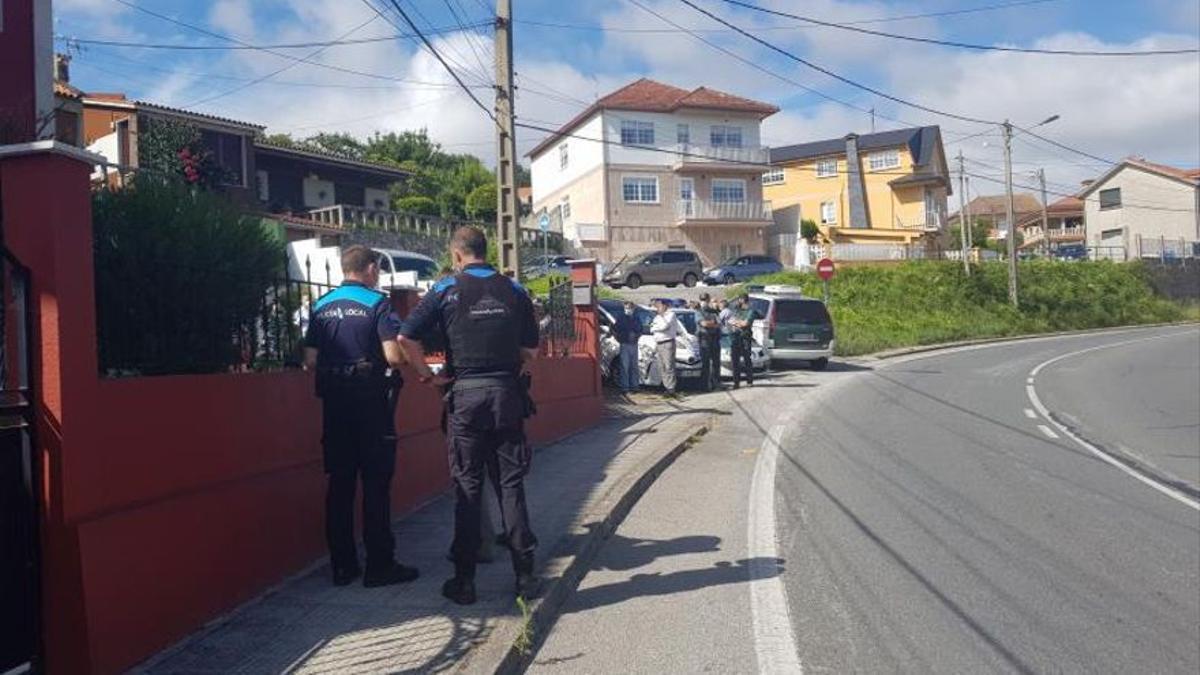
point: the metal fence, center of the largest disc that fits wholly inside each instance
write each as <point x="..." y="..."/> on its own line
<point x="556" y="321"/>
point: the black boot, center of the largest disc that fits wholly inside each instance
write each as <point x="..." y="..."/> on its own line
<point x="389" y="574"/>
<point x="344" y="575"/>
<point x="459" y="590"/>
<point x="527" y="583"/>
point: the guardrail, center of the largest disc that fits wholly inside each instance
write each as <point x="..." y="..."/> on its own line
<point x="699" y="209"/>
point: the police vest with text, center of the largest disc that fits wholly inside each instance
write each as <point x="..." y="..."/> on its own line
<point x="484" y="330"/>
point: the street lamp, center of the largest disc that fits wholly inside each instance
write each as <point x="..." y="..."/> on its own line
<point x="1012" y="234"/>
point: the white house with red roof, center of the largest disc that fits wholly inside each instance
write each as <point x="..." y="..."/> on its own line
<point x="1143" y="209"/>
<point x="652" y="166"/>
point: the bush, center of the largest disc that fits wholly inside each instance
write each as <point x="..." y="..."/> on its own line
<point x="179" y="274"/>
<point x="417" y="204"/>
<point x="809" y="230"/>
<point x="481" y="203"/>
<point x="917" y="303"/>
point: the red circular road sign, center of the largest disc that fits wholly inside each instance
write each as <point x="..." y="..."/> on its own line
<point x="825" y="269"/>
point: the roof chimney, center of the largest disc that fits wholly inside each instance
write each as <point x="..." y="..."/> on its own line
<point x="62" y="68"/>
<point x="1087" y="181"/>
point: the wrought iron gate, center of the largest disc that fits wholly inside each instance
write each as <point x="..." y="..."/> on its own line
<point x="19" y="543"/>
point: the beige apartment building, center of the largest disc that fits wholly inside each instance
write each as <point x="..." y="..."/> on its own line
<point x="652" y="166"/>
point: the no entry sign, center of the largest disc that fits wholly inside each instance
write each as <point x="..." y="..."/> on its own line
<point x="825" y="269"/>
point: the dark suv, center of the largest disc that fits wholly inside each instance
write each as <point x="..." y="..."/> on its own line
<point x="671" y="267"/>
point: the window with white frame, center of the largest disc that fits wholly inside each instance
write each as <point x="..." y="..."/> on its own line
<point x="728" y="190"/>
<point x="639" y="189"/>
<point x="683" y="135"/>
<point x="731" y="251"/>
<point x="886" y="159"/>
<point x="828" y="212"/>
<point x="634" y="132"/>
<point x="773" y="177"/>
<point x="827" y="168"/>
<point x="725" y="136"/>
<point x="564" y="157"/>
<point x="564" y="208"/>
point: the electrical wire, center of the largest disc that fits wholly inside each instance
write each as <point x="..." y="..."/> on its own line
<point x="235" y="47"/>
<point x="960" y="45"/>
<point x="1124" y="203"/>
<point x="836" y="76"/>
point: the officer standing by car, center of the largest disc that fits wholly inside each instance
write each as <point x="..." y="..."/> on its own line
<point x="351" y="343"/>
<point x="741" y="321"/>
<point x="710" y="343"/>
<point x="491" y="334"/>
<point x="628" y="332"/>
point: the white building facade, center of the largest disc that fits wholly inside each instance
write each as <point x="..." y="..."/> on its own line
<point x="1141" y="209"/>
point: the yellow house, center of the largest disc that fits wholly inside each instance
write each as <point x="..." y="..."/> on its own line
<point x="886" y="187"/>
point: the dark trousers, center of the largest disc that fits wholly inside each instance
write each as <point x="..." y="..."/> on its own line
<point x="740" y="357"/>
<point x="710" y="355"/>
<point x="359" y="441"/>
<point x="485" y="432"/>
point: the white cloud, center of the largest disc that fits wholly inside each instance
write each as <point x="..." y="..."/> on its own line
<point x="232" y="17"/>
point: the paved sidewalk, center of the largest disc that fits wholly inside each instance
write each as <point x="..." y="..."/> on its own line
<point x="308" y="626"/>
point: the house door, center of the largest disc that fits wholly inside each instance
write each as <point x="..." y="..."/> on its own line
<point x="19" y="559"/>
<point x="687" y="196"/>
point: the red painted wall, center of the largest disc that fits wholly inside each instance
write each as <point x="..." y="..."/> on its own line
<point x="18" y="104"/>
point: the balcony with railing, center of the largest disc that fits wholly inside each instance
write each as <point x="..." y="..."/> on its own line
<point x="755" y="159"/>
<point x="931" y="223"/>
<point x="1072" y="234"/>
<point x="696" y="211"/>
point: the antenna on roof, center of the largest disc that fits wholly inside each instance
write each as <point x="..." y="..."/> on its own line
<point x="872" y="120"/>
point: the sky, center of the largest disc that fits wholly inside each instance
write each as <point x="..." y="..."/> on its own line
<point x="570" y="52"/>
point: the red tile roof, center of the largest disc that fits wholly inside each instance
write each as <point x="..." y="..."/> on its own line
<point x="1185" y="174"/>
<point x="646" y="95"/>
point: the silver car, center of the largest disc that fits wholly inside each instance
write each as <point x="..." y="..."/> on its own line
<point x="670" y="267"/>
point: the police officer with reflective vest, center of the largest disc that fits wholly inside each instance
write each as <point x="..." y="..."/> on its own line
<point x="351" y="343"/>
<point x="491" y="333"/>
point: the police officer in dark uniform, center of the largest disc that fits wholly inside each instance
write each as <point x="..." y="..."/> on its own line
<point x="490" y="330"/>
<point x="351" y="343"/>
<point x="710" y="343"/>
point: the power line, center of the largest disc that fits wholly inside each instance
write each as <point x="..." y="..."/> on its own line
<point x="1064" y="146"/>
<point x="237" y="47"/>
<point x="1132" y="205"/>
<point x="307" y="59"/>
<point x="834" y="75"/>
<point x="273" y="52"/>
<point x="960" y="45"/>
<point x="887" y="19"/>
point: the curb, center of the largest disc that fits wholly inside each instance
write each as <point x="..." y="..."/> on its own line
<point x="562" y="575"/>
<point x="921" y="349"/>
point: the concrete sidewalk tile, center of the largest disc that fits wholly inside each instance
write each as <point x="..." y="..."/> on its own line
<point x="309" y="626"/>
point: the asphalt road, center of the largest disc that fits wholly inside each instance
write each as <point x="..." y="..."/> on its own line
<point x="933" y="521"/>
<point x="925" y="515"/>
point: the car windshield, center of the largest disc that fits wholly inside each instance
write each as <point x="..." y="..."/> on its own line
<point x="801" y="311"/>
<point x="425" y="269"/>
<point x="688" y="319"/>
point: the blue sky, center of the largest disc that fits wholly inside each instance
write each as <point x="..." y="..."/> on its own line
<point x="1109" y="107"/>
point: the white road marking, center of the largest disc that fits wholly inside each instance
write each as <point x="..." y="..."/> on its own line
<point x="1030" y="413"/>
<point x="1048" y="431"/>
<point x="1045" y="412"/>
<point x="774" y="642"/>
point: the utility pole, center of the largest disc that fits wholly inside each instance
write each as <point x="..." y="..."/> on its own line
<point x="872" y="120"/>
<point x="1045" y="214"/>
<point x="508" y="225"/>
<point x="963" y="225"/>
<point x="1008" y="202"/>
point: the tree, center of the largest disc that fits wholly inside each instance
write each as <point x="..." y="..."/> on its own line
<point x="481" y="202"/>
<point x="809" y="230"/>
<point x="173" y="150"/>
<point x="980" y="229"/>
<point x="343" y="145"/>
<point x="280" y="140"/>
<point x="418" y="204"/>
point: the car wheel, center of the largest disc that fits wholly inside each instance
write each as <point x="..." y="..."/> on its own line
<point x="690" y="280"/>
<point x="633" y="282"/>
<point x="818" y="364"/>
<point x="729" y="280"/>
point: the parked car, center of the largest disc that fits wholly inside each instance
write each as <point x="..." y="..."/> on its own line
<point x="309" y="261"/>
<point x="758" y="355"/>
<point x="1071" y="252"/>
<point x="794" y="328"/>
<point x="688" y="368"/>
<point x="671" y="267"/>
<point x="551" y="265"/>
<point x="741" y="268"/>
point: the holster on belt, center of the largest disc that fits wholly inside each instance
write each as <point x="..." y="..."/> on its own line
<point x="525" y="383"/>
<point x="362" y="375"/>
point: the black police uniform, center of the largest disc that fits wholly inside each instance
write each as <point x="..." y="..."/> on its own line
<point x="740" y="346"/>
<point x="347" y="328"/>
<point x="710" y="348"/>
<point x="487" y="318"/>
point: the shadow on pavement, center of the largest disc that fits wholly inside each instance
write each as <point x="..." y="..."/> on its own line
<point x="647" y="585"/>
<point x="633" y="553"/>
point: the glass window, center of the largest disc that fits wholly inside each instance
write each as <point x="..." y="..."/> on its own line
<point x="1110" y="198"/>
<point x="828" y="212"/>
<point x="725" y="136"/>
<point x="683" y="135"/>
<point x="726" y="190"/>
<point x="565" y="208"/>
<point x="564" y="158"/>
<point x="688" y="319"/>
<point x="643" y="189"/>
<point x="425" y="269"/>
<point x="887" y="159"/>
<point x="773" y="177"/>
<point x="730" y="253"/>
<point x="227" y="151"/>
<point x="634" y="132"/>
<point x="827" y="168"/>
<point x="801" y="311"/>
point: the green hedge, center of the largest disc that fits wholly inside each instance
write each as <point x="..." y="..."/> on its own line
<point x="917" y="303"/>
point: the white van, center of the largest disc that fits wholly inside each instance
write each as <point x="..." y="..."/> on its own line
<point x="309" y="261"/>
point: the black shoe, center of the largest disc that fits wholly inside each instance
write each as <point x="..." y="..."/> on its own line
<point x="479" y="558"/>
<point x="459" y="590"/>
<point x="391" y="574"/>
<point x="527" y="585"/>
<point x="344" y="576"/>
